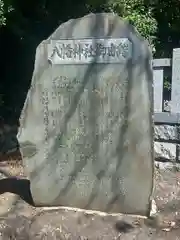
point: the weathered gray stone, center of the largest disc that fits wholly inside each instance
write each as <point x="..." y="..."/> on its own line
<point x="166" y="141"/>
<point x="165" y="151"/>
<point x="167" y="166"/>
<point x="158" y="87"/>
<point x="87" y="120"/>
<point x="175" y="87"/>
<point x="165" y="132"/>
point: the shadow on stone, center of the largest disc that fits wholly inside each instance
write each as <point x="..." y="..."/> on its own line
<point x="17" y="186"/>
<point x="123" y="227"/>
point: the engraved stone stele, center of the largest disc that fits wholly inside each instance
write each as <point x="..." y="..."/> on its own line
<point x="86" y="127"/>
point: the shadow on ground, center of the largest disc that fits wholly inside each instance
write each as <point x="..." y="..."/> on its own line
<point x="17" y="186"/>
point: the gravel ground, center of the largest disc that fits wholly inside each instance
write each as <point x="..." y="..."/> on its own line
<point x="20" y="220"/>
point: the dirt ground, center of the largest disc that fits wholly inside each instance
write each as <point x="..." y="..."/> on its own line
<point x="20" y="220"/>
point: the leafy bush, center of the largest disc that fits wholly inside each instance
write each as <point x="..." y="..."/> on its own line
<point x="139" y="15"/>
<point x="2" y="17"/>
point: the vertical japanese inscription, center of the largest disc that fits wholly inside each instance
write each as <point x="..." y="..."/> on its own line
<point x="45" y="101"/>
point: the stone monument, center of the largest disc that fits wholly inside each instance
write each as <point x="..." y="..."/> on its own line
<point x="86" y="129"/>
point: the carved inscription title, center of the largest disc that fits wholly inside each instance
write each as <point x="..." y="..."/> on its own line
<point x="86" y="51"/>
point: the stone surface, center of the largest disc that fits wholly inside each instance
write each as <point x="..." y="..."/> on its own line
<point x="165" y="151"/>
<point x="166" y="145"/>
<point x="166" y="132"/>
<point x="158" y="87"/>
<point x="167" y="165"/>
<point x="175" y="87"/>
<point x="84" y="141"/>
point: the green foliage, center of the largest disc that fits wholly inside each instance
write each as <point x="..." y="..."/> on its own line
<point x="5" y="7"/>
<point x="167" y="84"/>
<point x="135" y="11"/>
<point x="2" y="17"/>
<point x="139" y="15"/>
<point x="158" y="22"/>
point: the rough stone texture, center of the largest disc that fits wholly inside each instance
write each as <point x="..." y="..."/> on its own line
<point x="167" y="165"/>
<point x="166" y="132"/>
<point x="166" y="142"/>
<point x="93" y="149"/>
<point x="165" y="151"/>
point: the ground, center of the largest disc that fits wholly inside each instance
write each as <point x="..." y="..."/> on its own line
<point x="23" y="221"/>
